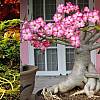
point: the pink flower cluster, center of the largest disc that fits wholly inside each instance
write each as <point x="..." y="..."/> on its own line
<point x="41" y="44"/>
<point x="68" y="8"/>
<point x="41" y="33"/>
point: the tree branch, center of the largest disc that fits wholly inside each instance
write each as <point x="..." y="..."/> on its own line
<point x="82" y="35"/>
<point x="95" y="46"/>
<point x="92" y="75"/>
<point x="89" y="37"/>
<point x="58" y="41"/>
<point x="86" y="34"/>
<point x="97" y="36"/>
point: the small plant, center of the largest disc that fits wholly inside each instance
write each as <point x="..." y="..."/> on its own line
<point x="9" y="60"/>
<point x="9" y="83"/>
<point x="9" y="43"/>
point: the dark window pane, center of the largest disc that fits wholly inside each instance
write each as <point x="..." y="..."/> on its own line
<point x="52" y="62"/>
<point x="69" y="58"/>
<point x="37" y="8"/>
<point x="39" y="59"/>
<point x="83" y="3"/>
<point x="72" y="1"/>
<point x="50" y="9"/>
<point x="80" y="1"/>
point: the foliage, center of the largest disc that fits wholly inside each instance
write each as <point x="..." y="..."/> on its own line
<point x="9" y="9"/>
<point x="8" y="23"/>
<point x="9" y="83"/>
<point x="9" y="47"/>
<point x="9" y="59"/>
<point x="9" y="51"/>
<point x="64" y="29"/>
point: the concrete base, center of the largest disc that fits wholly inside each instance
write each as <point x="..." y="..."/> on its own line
<point x="41" y="82"/>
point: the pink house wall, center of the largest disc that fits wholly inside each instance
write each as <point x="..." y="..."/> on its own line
<point x="97" y="6"/>
<point x="23" y="46"/>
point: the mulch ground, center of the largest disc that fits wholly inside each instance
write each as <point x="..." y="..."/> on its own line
<point x="66" y="96"/>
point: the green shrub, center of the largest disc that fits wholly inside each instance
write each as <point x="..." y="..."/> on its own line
<point x="9" y="60"/>
<point x="9" y="83"/>
<point x="9" y="52"/>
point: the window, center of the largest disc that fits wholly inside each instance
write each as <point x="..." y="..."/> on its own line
<point x="38" y="8"/>
<point x="69" y="58"/>
<point x="52" y="62"/>
<point x="39" y="59"/>
<point x="83" y="3"/>
<point x="44" y="8"/>
<point x="50" y="9"/>
<point x="46" y="61"/>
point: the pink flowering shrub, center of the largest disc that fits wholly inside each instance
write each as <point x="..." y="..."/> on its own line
<point x="65" y="29"/>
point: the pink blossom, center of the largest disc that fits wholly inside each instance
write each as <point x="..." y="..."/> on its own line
<point x="41" y="44"/>
<point x="25" y="24"/>
<point x="34" y="26"/>
<point x="60" y="8"/>
<point x="27" y="36"/>
<point x="80" y="23"/>
<point x="74" y="16"/>
<point x="26" y="28"/>
<point x="65" y="22"/>
<point x="76" y="8"/>
<point x="79" y="14"/>
<point x="57" y="31"/>
<point x="34" y="37"/>
<point x="41" y="32"/>
<point x="66" y="10"/>
<point x="57" y="17"/>
<point x="46" y="43"/>
<point x="77" y="32"/>
<point x="76" y="44"/>
<point x="71" y="8"/>
<point x="68" y="4"/>
<point x="85" y="17"/>
<point x="48" y="28"/>
<point x="40" y="21"/>
<point x="75" y="40"/>
<point x="36" y="44"/>
<point x="69" y="33"/>
<point x="94" y="17"/>
<point x="68" y="27"/>
<point x="68" y="21"/>
<point x="86" y="9"/>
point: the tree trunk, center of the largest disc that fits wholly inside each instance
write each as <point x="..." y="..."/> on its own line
<point x="77" y="77"/>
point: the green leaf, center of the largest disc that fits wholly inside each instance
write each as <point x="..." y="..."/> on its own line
<point x="97" y="27"/>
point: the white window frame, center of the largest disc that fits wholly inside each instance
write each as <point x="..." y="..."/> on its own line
<point x="31" y="10"/>
<point x="60" y="49"/>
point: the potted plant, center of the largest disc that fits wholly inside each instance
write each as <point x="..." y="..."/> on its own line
<point x="27" y="80"/>
<point x="80" y="29"/>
